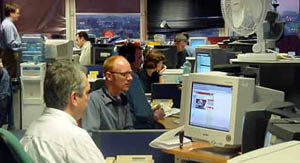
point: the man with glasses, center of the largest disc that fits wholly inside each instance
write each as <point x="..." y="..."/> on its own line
<point x="108" y="108"/>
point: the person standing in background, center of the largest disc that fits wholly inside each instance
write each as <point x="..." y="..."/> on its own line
<point x="85" y="46"/>
<point x="10" y="41"/>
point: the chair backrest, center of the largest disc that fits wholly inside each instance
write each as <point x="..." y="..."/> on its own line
<point x="11" y="150"/>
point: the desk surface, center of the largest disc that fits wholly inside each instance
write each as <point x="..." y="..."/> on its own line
<point x="168" y="122"/>
<point x="281" y="61"/>
<point x="187" y="153"/>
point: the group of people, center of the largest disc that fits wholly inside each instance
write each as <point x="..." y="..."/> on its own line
<point x="120" y="104"/>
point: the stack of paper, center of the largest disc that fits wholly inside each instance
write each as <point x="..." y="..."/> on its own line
<point x="169" y="140"/>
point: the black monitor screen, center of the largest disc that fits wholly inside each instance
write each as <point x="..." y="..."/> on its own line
<point x="100" y="53"/>
<point x="170" y="54"/>
<point x="203" y="62"/>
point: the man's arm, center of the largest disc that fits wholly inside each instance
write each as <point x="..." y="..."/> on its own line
<point x="11" y="40"/>
<point x="129" y="122"/>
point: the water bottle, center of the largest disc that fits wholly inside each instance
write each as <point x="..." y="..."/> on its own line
<point x="187" y="66"/>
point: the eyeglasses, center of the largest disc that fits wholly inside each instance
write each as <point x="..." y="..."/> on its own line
<point x="124" y="74"/>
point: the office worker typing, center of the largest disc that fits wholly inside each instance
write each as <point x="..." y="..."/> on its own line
<point x="55" y="136"/>
<point x="108" y="108"/>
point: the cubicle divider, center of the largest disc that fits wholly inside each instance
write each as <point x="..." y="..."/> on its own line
<point x="130" y="142"/>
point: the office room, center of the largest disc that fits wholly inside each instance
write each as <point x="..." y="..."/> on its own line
<point x="149" y="80"/>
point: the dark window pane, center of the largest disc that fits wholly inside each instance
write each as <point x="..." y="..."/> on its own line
<point x="107" y="6"/>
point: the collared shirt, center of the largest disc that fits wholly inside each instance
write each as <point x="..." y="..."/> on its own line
<point x="140" y="107"/>
<point x="191" y="52"/>
<point x="55" y="137"/>
<point x="9" y="36"/>
<point x="85" y="56"/>
<point x="105" y="112"/>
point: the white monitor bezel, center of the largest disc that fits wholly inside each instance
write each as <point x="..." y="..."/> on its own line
<point x="240" y="87"/>
<point x="197" y="38"/>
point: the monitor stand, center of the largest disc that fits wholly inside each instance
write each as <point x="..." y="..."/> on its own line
<point x="223" y="151"/>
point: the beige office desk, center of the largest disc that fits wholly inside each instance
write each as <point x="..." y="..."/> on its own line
<point x="168" y="122"/>
<point x="188" y="153"/>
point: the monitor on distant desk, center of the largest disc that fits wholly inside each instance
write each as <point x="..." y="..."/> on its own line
<point x="208" y="59"/>
<point x="167" y="91"/>
<point x="196" y="41"/>
<point x="100" y="52"/>
<point x="170" y="52"/>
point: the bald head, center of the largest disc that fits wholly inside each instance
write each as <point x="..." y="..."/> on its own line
<point x="117" y="73"/>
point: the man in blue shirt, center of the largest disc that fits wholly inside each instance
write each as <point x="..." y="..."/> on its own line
<point x="143" y="116"/>
<point x="10" y="40"/>
<point x="108" y="108"/>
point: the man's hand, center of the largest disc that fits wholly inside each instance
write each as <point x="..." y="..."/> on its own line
<point x="158" y="113"/>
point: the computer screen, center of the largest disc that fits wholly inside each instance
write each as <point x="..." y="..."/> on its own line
<point x="212" y="104"/>
<point x="170" y="52"/>
<point x="203" y="62"/>
<point x="100" y="52"/>
<point x="215" y="105"/>
<point x="196" y="41"/>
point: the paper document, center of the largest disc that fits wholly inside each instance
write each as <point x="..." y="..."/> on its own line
<point x="169" y="140"/>
<point x="170" y="111"/>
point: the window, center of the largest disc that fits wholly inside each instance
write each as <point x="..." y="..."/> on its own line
<point x="119" y="16"/>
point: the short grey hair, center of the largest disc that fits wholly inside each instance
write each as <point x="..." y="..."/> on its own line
<point x="180" y="37"/>
<point x="62" y="78"/>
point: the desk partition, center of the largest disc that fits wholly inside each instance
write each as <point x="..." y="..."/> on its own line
<point x="130" y="142"/>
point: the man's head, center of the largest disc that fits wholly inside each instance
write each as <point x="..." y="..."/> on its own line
<point x="118" y="74"/>
<point x="66" y="88"/>
<point x="12" y="10"/>
<point x="133" y="54"/>
<point x="81" y="38"/>
<point x="180" y="41"/>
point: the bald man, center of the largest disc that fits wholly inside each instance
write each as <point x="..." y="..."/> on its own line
<point x="108" y="108"/>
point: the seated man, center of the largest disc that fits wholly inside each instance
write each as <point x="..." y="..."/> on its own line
<point x="108" y="108"/>
<point x="143" y="116"/>
<point x="85" y="46"/>
<point x="55" y="136"/>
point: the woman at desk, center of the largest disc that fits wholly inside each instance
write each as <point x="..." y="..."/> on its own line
<point x="152" y="69"/>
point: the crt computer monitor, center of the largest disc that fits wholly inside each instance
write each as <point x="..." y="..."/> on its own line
<point x="215" y="105"/>
<point x="208" y="59"/>
<point x="196" y="41"/>
<point x="170" y="52"/>
<point x="100" y="52"/>
<point x="59" y="49"/>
